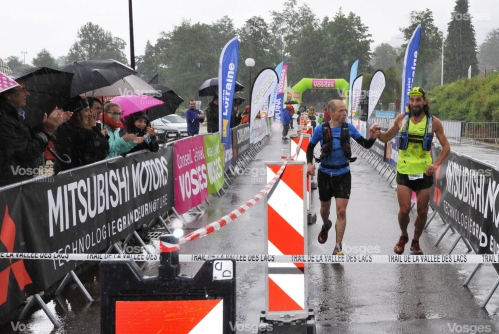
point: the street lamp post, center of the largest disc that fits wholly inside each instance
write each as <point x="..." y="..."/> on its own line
<point x="442" y="73"/>
<point x="250" y="62"/>
<point x="24" y="59"/>
<point x="132" y="45"/>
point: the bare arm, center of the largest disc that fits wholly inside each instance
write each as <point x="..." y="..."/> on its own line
<point x="393" y="130"/>
<point x="438" y="130"/>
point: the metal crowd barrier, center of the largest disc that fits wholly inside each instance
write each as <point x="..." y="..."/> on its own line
<point x="486" y="131"/>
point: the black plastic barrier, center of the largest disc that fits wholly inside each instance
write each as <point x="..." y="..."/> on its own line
<point x="169" y="302"/>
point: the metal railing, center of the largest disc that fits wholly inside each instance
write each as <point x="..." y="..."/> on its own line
<point x="453" y="129"/>
<point x="484" y="131"/>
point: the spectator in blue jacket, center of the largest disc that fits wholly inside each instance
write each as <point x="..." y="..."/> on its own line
<point x="285" y="120"/>
<point x="112" y="121"/>
<point x="194" y="118"/>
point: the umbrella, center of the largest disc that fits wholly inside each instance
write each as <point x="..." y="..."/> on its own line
<point x="94" y="74"/>
<point x="130" y="85"/>
<point x="48" y="88"/>
<point x="171" y="102"/>
<point x="291" y="102"/>
<point x="135" y="103"/>
<point x="210" y="87"/>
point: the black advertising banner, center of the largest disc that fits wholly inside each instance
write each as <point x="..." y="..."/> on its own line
<point x="234" y="144"/>
<point x="81" y="211"/>
<point x="379" y="148"/>
<point x="242" y="133"/>
<point x="465" y="195"/>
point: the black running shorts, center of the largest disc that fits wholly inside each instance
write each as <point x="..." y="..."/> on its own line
<point x="334" y="186"/>
<point x="419" y="184"/>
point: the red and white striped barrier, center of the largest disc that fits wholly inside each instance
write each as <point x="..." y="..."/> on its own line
<point x="204" y="316"/>
<point x="303" y="139"/>
<point x="234" y="214"/>
<point x="286" y="234"/>
<point x="302" y="156"/>
<point x="307" y="131"/>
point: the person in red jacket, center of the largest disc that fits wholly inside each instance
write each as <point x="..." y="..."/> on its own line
<point x="291" y="113"/>
<point x="327" y="118"/>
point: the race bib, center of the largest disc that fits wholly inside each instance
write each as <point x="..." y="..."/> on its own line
<point x="415" y="176"/>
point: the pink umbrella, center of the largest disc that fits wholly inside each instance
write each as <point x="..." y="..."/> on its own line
<point x="135" y="103"/>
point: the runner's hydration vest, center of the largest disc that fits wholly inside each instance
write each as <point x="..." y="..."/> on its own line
<point x="425" y="140"/>
<point x="327" y="142"/>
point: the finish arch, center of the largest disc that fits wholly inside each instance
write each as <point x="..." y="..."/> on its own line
<point x="309" y="83"/>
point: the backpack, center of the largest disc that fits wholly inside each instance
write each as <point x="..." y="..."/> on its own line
<point x="327" y="146"/>
<point x="424" y="140"/>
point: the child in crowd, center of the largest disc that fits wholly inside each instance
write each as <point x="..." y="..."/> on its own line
<point x="138" y="124"/>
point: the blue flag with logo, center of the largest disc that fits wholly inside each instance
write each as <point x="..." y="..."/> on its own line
<point x="409" y="67"/>
<point x="227" y="73"/>
<point x="273" y="96"/>
<point x="353" y="75"/>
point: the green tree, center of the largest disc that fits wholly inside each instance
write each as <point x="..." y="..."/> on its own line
<point x="384" y="56"/>
<point x="434" y="75"/>
<point x="94" y="43"/>
<point x="460" y="45"/>
<point x="147" y="66"/>
<point x="62" y="61"/>
<point x="489" y="50"/>
<point x="190" y="53"/>
<point x="429" y="45"/>
<point x="44" y="58"/>
<point x="286" y="25"/>
<point x="473" y="100"/>
<point x="256" y="41"/>
<point x="15" y="64"/>
<point x="344" y="39"/>
<point x="307" y="53"/>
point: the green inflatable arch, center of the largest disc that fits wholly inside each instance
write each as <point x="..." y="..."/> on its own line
<point x="308" y="83"/>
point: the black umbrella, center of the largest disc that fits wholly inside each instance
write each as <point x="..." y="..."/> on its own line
<point x="93" y="74"/>
<point x="210" y="87"/>
<point x="169" y="97"/>
<point x="48" y="88"/>
<point x="291" y="102"/>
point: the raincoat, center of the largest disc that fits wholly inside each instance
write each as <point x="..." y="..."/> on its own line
<point x="83" y="146"/>
<point x="20" y="146"/>
<point x="117" y="145"/>
<point x="193" y="120"/>
<point x="212" y="117"/>
<point x="151" y="144"/>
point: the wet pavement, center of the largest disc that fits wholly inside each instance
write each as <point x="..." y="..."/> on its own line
<point x="346" y="298"/>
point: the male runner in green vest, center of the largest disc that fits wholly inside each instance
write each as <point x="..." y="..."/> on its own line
<point x="415" y="167"/>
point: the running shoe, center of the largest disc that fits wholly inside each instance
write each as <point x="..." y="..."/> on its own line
<point x="415" y="249"/>
<point x="399" y="247"/>
<point x="323" y="234"/>
<point x="338" y="251"/>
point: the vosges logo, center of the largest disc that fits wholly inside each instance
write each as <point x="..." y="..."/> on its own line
<point x="31" y="171"/>
<point x="455" y="328"/>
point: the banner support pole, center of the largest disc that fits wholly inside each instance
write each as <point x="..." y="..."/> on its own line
<point x="491" y="292"/>
<point x="37" y="299"/>
<point x="65" y="281"/>
<point x="470" y="276"/>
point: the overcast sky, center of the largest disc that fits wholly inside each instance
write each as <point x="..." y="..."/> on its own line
<point x="31" y="25"/>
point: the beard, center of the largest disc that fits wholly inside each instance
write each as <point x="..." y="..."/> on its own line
<point x="416" y="112"/>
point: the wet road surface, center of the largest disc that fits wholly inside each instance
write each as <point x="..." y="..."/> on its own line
<point x="346" y="298"/>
